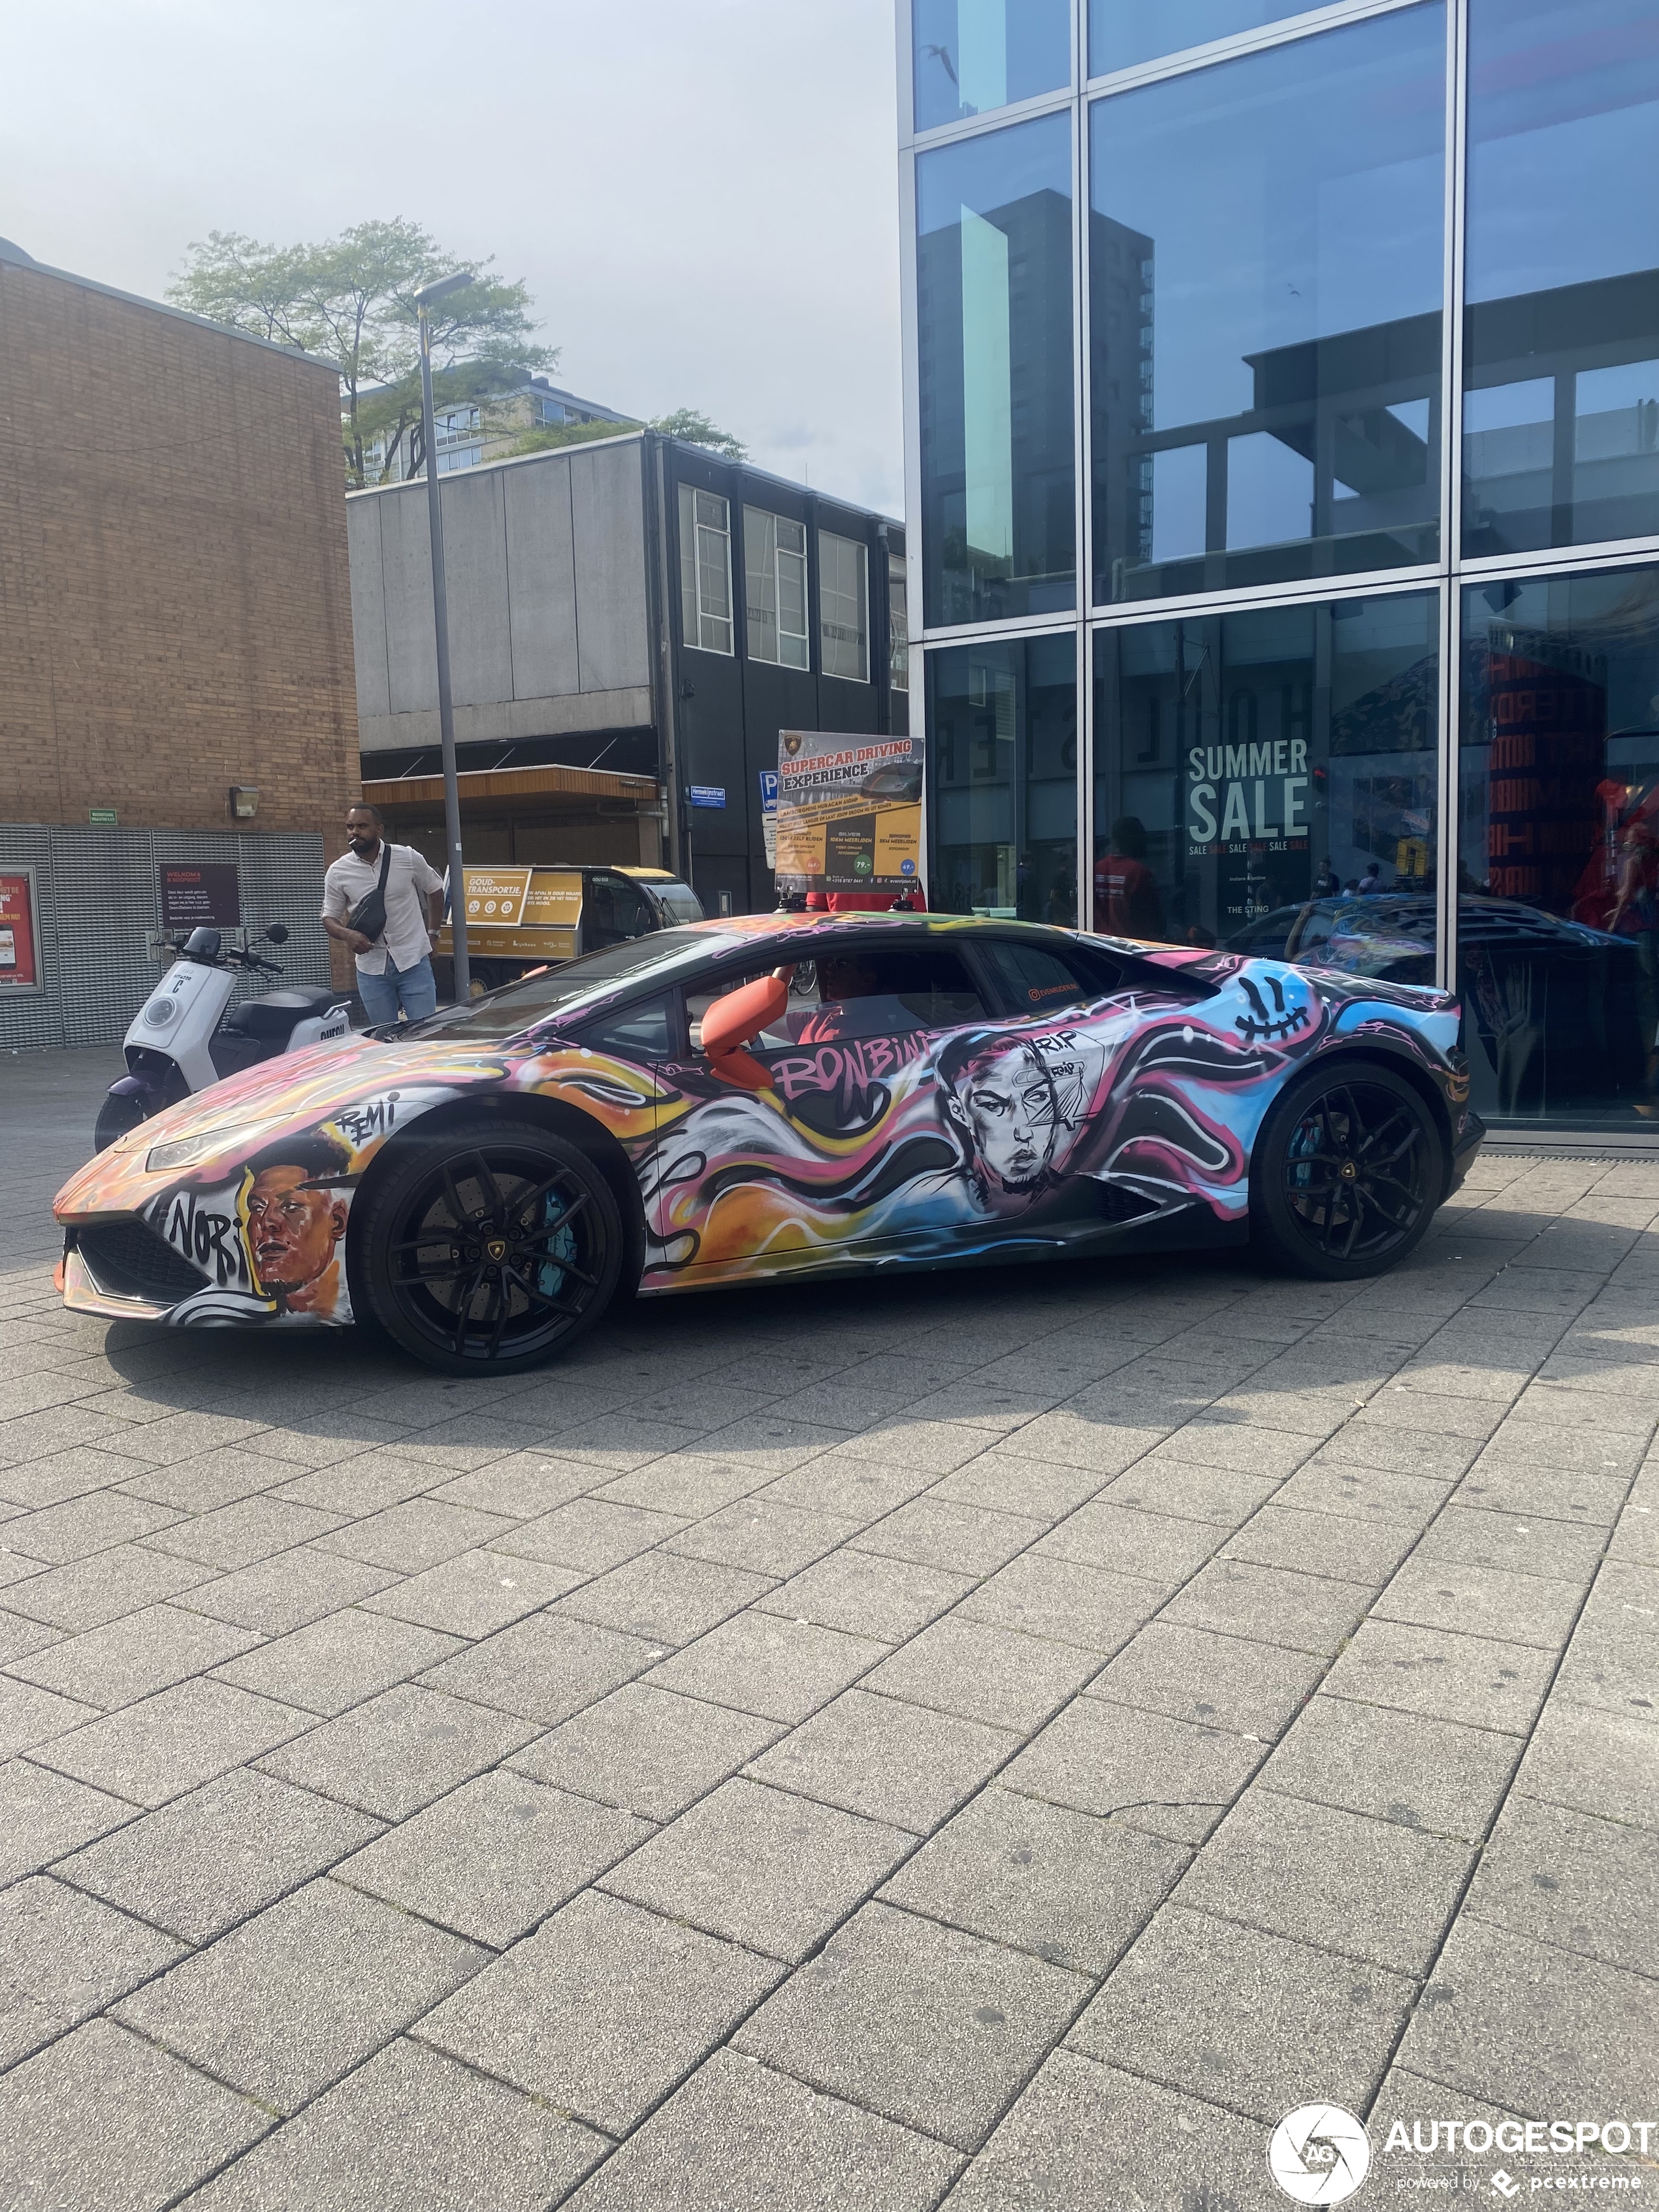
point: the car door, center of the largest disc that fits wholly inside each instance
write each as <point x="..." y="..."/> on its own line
<point x="845" y="1154"/>
<point x="1026" y="1100"/>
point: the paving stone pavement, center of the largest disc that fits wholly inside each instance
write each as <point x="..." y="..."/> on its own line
<point x="999" y="1739"/>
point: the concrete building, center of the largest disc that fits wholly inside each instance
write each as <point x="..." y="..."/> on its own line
<point x="632" y="622"/>
<point x="175" y="650"/>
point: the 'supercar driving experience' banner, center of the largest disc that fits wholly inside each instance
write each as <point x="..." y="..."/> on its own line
<point x="849" y="812"/>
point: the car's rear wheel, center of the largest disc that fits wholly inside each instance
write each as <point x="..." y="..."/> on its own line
<point x="488" y="1247"/>
<point x="1347" y="1173"/>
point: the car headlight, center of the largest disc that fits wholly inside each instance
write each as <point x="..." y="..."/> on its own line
<point x="184" y="1151"/>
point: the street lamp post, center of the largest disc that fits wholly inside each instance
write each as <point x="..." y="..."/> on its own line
<point x="425" y="300"/>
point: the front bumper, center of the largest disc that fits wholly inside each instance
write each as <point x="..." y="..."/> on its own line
<point x="83" y="1293"/>
<point x="1464" y="1151"/>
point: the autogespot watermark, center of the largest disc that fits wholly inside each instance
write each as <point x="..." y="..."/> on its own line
<point x="1322" y="2153"/>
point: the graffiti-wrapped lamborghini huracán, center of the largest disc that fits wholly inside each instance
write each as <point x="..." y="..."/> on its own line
<point x="790" y="1096"/>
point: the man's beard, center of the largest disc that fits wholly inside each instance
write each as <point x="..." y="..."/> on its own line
<point x="362" y="847"/>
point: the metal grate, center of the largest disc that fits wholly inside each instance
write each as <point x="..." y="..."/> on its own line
<point x="128" y="1260"/>
<point x="98" y="901"/>
<point x="1119" y="1203"/>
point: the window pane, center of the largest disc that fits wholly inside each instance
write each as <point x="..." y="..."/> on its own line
<point x="1003" y="787"/>
<point x="1035" y="980"/>
<point x="887" y="991"/>
<point x="1124" y="31"/>
<point x="760" y="562"/>
<point x="1267" y="781"/>
<point x="641" y="1033"/>
<point x="993" y="257"/>
<point x="687" y="535"/>
<point x="1558" y="931"/>
<point x="1561" y="330"/>
<point x="1266" y="249"/>
<point x="705" y="570"/>
<point x="844" y="607"/>
<point x="974" y="55"/>
<point x="898" y="623"/>
<point x="792" y="647"/>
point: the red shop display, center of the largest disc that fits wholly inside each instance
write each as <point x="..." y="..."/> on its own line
<point x="20" y="965"/>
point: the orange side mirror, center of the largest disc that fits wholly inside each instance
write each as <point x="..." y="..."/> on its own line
<point x="736" y="1020"/>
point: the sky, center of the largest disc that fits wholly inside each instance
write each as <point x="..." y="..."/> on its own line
<point x="701" y="194"/>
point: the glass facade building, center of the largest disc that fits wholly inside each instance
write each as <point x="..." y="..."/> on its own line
<point x="1282" y="427"/>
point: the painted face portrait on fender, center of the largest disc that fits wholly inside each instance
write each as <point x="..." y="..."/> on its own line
<point x="294" y="1217"/>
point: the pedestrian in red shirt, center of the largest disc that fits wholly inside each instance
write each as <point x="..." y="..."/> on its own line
<point x="1127" y="900"/>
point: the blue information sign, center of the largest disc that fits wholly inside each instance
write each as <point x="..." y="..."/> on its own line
<point x="707" y="794"/>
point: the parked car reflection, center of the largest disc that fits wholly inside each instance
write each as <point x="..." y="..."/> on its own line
<point x="1553" y="1008"/>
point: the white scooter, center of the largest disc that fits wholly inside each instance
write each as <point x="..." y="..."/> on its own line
<point x="177" y="1044"/>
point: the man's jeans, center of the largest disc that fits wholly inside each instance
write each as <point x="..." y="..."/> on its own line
<point x="415" y="989"/>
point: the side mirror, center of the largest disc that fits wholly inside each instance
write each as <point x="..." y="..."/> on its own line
<point x="277" y="934"/>
<point x="736" y="1020"/>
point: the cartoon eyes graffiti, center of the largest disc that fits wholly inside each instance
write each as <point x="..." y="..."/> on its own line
<point x="1270" y="1024"/>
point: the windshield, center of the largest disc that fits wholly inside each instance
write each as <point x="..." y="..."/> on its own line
<point x="678" y="901"/>
<point x="520" y="1005"/>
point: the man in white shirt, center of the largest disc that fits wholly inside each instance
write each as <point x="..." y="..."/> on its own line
<point x="395" y="969"/>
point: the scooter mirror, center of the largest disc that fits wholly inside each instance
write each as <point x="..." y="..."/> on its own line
<point x="277" y="934"/>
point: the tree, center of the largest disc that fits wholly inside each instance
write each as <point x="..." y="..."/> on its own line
<point x="696" y="430"/>
<point x="350" y="300"/>
<point x="684" y="422"/>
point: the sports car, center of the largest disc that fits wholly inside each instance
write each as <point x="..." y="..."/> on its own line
<point x="783" y="1096"/>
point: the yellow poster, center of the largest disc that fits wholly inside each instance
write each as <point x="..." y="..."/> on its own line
<point x="849" y="812"/>
<point x="554" y="901"/>
<point x="496" y="897"/>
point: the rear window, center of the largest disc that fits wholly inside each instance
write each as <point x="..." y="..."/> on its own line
<point x="1037" y="979"/>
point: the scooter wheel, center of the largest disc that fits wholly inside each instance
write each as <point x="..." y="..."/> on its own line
<point x="118" y="1113"/>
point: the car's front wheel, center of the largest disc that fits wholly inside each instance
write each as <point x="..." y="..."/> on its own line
<point x="1347" y="1173"/>
<point x="488" y="1247"/>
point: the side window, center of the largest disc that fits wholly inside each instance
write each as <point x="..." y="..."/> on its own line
<point x="641" y="1032"/>
<point x="887" y="990"/>
<point x="1035" y="979"/>
<point x="881" y="990"/>
<point x="803" y="1002"/>
<point x="615" y="911"/>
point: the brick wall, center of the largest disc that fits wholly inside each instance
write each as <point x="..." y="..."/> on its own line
<point x="174" y="601"/>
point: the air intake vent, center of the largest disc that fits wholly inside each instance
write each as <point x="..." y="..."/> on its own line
<point x="128" y="1260"/>
<point x="1119" y="1203"/>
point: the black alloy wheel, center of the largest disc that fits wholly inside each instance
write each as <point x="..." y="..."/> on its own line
<point x="489" y="1247"/>
<point x="1347" y="1173"/>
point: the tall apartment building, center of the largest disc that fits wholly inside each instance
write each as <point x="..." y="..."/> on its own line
<point x="470" y="434"/>
<point x="1282" y="411"/>
<point x="175" y="641"/>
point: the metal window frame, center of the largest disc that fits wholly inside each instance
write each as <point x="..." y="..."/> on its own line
<point x="866" y="626"/>
<point x="697" y="644"/>
<point x="1450" y="575"/>
<point x="804" y="556"/>
<point x="11" y="993"/>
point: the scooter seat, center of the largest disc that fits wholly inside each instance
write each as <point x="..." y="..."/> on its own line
<point x="278" y="1012"/>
